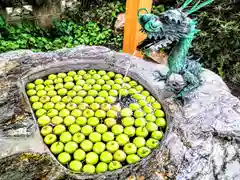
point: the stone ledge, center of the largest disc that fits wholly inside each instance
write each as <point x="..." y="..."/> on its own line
<point x="202" y="141"/>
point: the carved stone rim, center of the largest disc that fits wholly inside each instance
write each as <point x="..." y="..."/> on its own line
<point x="41" y="71"/>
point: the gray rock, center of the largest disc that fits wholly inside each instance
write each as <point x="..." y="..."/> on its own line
<point x="202" y="142"/>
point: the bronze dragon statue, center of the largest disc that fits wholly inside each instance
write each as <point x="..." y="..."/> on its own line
<point x="176" y="30"/>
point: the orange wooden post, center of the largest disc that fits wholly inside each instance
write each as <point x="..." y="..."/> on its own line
<point x="132" y="34"/>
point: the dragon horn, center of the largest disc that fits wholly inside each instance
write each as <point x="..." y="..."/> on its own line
<point x="142" y="9"/>
<point x="195" y="8"/>
<point x="195" y="5"/>
<point x="187" y="2"/>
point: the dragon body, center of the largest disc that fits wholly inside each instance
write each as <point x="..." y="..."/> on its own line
<point x="174" y="30"/>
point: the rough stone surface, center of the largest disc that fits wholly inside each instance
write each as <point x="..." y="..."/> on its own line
<point x="120" y="22"/>
<point x="202" y="142"/>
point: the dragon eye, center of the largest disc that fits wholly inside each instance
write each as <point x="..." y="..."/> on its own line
<point x="167" y="19"/>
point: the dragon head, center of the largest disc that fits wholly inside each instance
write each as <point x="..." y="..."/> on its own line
<point x="167" y="29"/>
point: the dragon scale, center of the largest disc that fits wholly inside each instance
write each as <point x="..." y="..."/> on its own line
<point x="174" y="31"/>
<point x="178" y="55"/>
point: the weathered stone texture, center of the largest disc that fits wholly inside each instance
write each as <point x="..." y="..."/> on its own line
<point x="202" y="142"/>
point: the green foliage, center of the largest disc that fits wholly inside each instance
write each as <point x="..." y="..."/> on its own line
<point x="64" y="34"/>
<point x="157" y="10"/>
<point x="105" y="13"/>
<point x="219" y="40"/>
<point x="89" y="4"/>
<point x="2" y="23"/>
<point x="218" y="43"/>
<point x="88" y="27"/>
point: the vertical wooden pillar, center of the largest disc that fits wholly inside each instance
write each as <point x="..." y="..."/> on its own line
<point x="132" y="34"/>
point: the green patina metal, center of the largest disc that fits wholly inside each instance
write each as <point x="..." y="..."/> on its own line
<point x="174" y="30"/>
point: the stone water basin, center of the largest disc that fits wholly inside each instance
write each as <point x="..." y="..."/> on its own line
<point x="141" y="138"/>
<point x="202" y="140"/>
